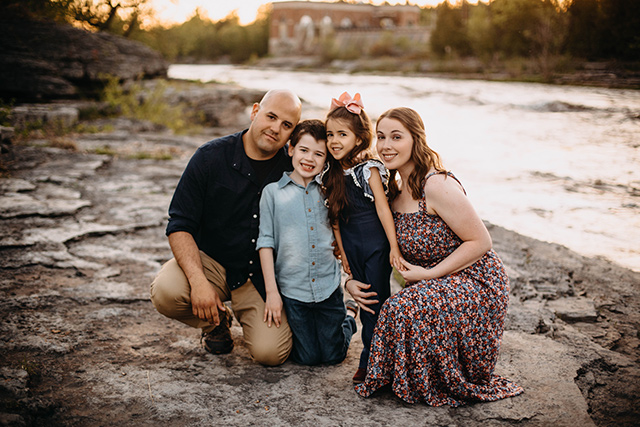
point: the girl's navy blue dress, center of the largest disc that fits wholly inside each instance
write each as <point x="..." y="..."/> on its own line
<point x="365" y="243"/>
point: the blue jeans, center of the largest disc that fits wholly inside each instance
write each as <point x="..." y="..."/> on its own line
<point x="322" y="331"/>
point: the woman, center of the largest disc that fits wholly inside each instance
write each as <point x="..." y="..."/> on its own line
<point x="438" y="339"/>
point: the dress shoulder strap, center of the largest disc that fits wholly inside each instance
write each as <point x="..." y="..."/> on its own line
<point x="423" y="201"/>
<point x="449" y="173"/>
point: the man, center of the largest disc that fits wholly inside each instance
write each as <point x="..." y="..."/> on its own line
<point x="212" y="230"/>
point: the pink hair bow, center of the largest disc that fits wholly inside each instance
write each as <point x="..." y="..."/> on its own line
<point x="354" y="104"/>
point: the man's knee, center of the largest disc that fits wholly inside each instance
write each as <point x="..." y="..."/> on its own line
<point x="165" y="296"/>
<point x="270" y="355"/>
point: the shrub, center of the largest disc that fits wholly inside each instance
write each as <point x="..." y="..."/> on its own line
<point x="147" y="104"/>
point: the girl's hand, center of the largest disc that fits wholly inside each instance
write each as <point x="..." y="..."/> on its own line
<point x="345" y="265"/>
<point x="395" y="258"/>
<point x="273" y="309"/>
<point x="356" y="289"/>
<point x="413" y="273"/>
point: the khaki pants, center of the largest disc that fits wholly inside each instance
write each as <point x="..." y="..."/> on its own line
<point x="171" y="295"/>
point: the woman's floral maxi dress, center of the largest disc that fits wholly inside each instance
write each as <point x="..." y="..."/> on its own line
<point x="438" y="340"/>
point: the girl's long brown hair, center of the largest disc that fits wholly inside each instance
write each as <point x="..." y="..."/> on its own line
<point x="423" y="157"/>
<point x="333" y="180"/>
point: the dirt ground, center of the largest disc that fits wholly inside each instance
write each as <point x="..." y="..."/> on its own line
<point x="81" y="344"/>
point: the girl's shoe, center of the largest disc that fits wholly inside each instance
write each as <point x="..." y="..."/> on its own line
<point x="360" y="375"/>
<point x="353" y="307"/>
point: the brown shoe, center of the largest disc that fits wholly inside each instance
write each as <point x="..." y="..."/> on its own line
<point x="219" y="340"/>
<point x="360" y="375"/>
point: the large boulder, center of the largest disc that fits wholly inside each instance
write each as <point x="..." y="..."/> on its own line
<point x="45" y="60"/>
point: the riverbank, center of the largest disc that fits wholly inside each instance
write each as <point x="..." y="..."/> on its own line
<point x="81" y="344"/>
<point x="577" y="73"/>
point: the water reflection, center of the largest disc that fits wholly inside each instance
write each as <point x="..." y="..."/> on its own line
<point x="557" y="163"/>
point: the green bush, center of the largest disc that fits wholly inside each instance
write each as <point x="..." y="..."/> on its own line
<point x="5" y="112"/>
<point x="136" y="102"/>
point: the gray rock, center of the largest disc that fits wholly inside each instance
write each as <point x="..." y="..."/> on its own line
<point x="574" y="309"/>
<point x="13" y="420"/>
<point x="10" y="185"/>
<point x="44" y="60"/>
<point x="14" y="382"/>
<point x="6" y="139"/>
<point x="223" y="107"/>
<point x="50" y="115"/>
<point x="46" y="200"/>
<point x="75" y="289"/>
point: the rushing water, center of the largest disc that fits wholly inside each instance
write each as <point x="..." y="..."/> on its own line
<point x="557" y="163"/>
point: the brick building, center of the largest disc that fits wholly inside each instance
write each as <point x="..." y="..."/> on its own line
<point x="299" y="27"/>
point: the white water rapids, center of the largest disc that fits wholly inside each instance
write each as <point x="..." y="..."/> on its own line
<point x="556" y="163"/>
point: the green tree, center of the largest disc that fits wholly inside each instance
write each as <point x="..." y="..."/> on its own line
<point x="604" y="29"/>
<point x="481" y="32"/>
<point x="258" y="32"/>
<point x="583" y="34"/>
<point x="117" y="16"/>
<point x="511" y="20"/>
<point x="527" y="27"/>
<point x="200" y="39"/>
<point x="619" y="29"/>
<point x="34" y="9"/>
<point x="450" y="33"/>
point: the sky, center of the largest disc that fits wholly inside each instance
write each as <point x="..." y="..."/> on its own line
<point x="177" y="11"/>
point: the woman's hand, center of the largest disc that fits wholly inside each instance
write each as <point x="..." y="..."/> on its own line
<point x="395" y="258"/>
<point x="357" y="291"/>
<point x="273" y="309"/>
<point x="413" y="273"/>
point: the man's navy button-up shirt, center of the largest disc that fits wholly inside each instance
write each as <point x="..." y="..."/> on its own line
<point x="217" y="201"/>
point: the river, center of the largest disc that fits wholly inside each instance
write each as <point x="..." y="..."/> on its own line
<point x="556" y="163"/>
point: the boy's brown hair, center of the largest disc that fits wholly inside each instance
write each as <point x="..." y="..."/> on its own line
<point x="313" y="127"/>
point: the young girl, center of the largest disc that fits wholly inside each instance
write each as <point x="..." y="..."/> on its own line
<point x="354" y="185"/>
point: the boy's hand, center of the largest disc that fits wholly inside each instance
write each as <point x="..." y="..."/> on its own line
<point x="273" y="309"/>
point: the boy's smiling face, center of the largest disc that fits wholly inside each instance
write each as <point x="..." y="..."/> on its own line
<point x="307" y="157"/>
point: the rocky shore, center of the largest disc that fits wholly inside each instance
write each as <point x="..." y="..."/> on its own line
<point x="81" y="344"/>
<point x="583" y="73"/>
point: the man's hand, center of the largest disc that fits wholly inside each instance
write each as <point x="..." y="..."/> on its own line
<point x="356" y="289"/>
<point x="205" y="302"/>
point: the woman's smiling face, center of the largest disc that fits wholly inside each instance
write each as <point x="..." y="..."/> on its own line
<point x="394" y="143"/>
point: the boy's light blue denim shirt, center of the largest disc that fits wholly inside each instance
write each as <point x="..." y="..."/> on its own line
<point x="294" y="222"/>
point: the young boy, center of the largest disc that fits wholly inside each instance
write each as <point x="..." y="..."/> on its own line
<point x="296" y="253"/>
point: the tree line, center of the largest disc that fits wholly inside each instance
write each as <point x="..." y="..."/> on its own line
<point x="496" y="29"/>
<point x="589" y="29"/>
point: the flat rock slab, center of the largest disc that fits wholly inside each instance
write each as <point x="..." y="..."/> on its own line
<point x="81" y="344"/>
<point x="574" y="309"/>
